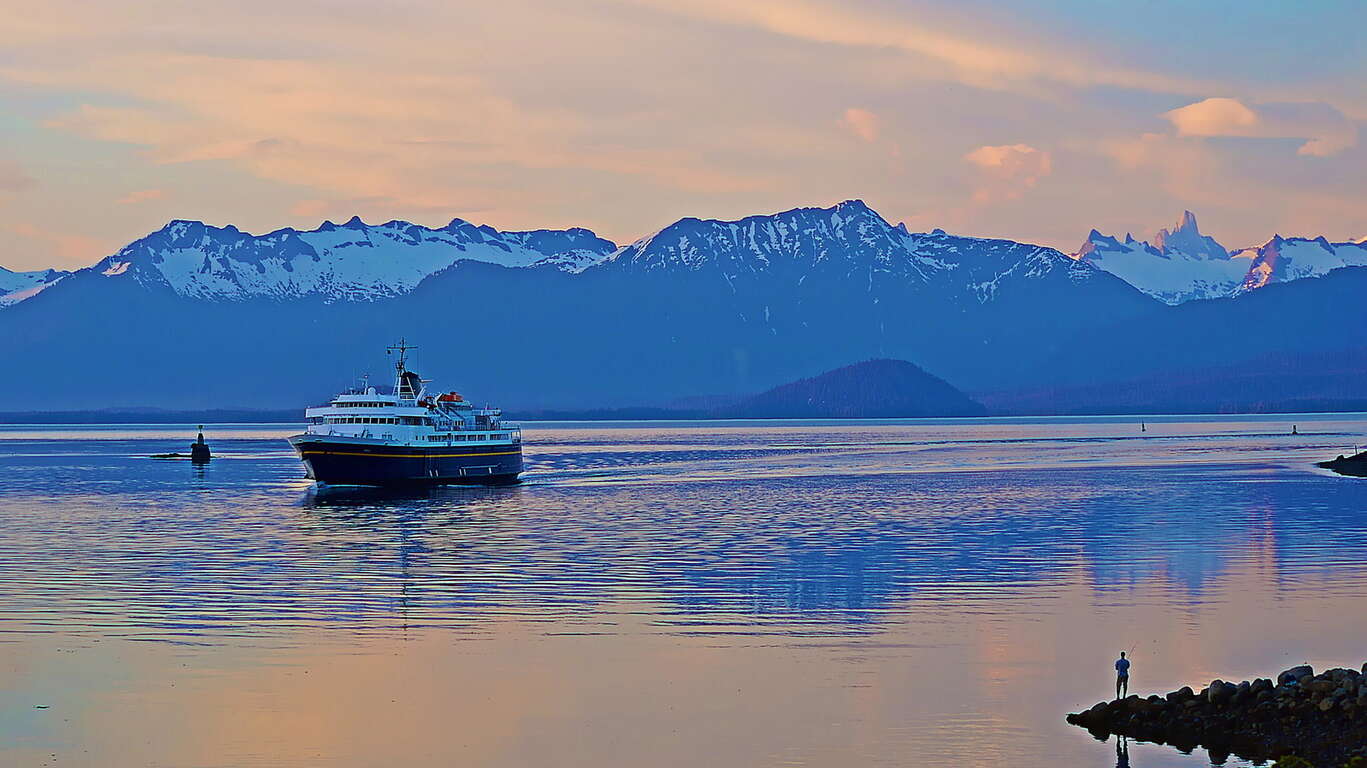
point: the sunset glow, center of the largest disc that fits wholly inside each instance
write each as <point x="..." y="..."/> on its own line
<point x="624" y="115"/>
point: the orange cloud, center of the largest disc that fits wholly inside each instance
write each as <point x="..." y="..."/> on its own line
<point x="1008" y="170"/>
<point x="862" y="123"/>
<point x="974" y="60"/>
<point x="1326" y="131"/>
<point x="68" y="248"/>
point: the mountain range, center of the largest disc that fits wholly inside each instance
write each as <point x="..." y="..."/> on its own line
<point x="196" y="316"/>
<point x="1183" y="265"/>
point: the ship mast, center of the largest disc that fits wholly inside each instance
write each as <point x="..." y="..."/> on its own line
<point x="399" y="365"/>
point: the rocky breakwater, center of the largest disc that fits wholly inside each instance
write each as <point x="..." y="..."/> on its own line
<point x="1320" y="718"/>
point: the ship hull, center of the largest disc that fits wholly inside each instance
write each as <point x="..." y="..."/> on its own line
<point x="354" y="463"/>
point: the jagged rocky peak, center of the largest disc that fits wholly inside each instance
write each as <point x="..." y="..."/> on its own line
<point x="1186" y="238"/>
<point x="1096" y="241"/>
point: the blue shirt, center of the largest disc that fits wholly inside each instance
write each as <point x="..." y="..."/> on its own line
<point x="1122" y="667"/>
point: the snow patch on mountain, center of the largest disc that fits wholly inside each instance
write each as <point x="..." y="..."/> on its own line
<point x="846" y="240"/>
<point x="1183" y="264"/>
<point x="354" y="261"/>
<point x="18" y="286"/>
<point x="1283" y="259"/>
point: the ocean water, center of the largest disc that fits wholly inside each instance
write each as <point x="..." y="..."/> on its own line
<point x="921" y="592"/>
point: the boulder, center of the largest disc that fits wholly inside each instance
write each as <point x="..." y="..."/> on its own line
<point x="1219" y="692"/>
<point x="1296" y="673"/>
<point x="1321" y="687"/>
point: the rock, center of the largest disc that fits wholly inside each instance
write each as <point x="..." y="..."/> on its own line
<point x="1321" y="687"/>
<point x="1322" y="717"/>
<point x="1219" y="692"/>
<point x="1296" y="673"/>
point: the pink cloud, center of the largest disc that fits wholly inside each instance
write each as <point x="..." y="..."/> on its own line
<point x="862" y="123"/>
<point x="1325" y="130"/>
<point x="68" y="248"/>
<point x="1007" y="170"/>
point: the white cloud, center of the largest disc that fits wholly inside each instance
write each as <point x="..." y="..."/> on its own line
<point x="1325" y="130"/>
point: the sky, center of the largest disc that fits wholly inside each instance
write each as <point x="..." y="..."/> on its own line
<point x="1035" y="121"/>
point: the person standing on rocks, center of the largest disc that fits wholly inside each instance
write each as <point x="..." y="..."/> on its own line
<point x="1122" y="675"/>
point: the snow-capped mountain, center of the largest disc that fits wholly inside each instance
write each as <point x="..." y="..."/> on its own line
<point x="1283" y="259"/>
<point x="1186" y="238"/>
<point x="17" y="286"/>
<point x="351" y="261"/>
<point x="712" y="307"/>
<point x="849" y="240"/>
<point x="1183" y="264"/>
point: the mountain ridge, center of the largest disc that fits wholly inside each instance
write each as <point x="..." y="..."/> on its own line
<point x="356" y="261"/>
<point x="1185" y="265"/>
<point x="722" y="307"/>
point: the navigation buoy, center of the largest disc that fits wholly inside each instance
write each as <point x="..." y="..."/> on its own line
<point x="199" y="450"/>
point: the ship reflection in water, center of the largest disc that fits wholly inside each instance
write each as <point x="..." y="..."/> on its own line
<point x="926" y="593"/>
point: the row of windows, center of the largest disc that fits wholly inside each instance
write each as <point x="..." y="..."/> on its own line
<point x="341" y="404"/>
<point x="458" y="438"/>
<point x="408" y="420"/>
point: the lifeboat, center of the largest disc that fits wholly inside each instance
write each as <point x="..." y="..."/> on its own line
<point x="450" y="397"/>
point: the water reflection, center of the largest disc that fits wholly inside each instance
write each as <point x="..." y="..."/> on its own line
<point x="869" y="594"/>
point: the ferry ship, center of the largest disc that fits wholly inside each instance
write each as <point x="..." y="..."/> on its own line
<point x="408" y="436"/>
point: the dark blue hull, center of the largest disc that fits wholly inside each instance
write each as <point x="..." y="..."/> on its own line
<point x="345" y="463"/>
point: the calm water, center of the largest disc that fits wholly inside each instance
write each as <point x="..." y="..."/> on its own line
<point x="928" y="593"/>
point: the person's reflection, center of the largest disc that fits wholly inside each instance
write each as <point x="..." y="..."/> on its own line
<point x="1122" y="752"/>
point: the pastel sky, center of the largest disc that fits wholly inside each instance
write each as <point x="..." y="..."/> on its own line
<point x="1036" y="121"/>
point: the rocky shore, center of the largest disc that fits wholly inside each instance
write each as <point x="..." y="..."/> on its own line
<point x="1319" y="718"/>
<point x="1355" y="465"/>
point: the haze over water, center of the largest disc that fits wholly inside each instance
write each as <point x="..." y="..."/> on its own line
<point x="930" y="593"/>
